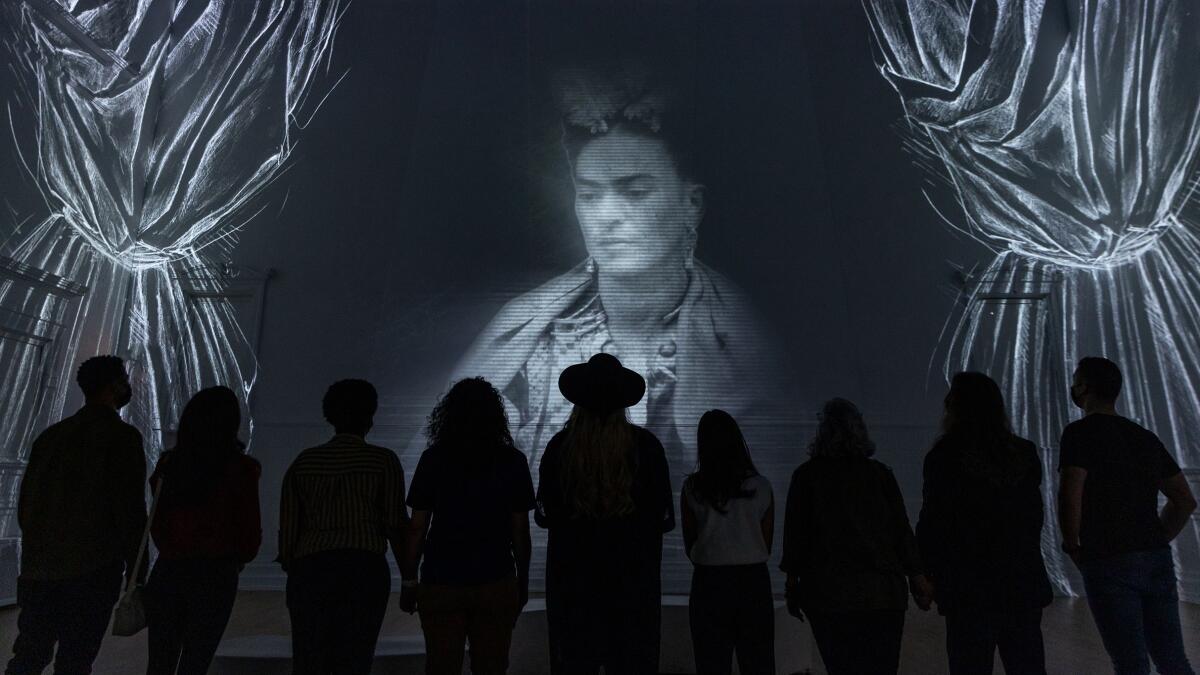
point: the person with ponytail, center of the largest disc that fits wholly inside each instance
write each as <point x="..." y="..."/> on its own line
<point x="605" y="497"/>
<point x="980" y="533"/>
<point x="206" y="528"/>
<point x="728" y="512"/>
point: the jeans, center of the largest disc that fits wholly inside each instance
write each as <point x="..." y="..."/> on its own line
<point x="731" y="610"/>
<point x="1136" y="608"/>
<point x="859" y="642"/>
<point x="484" y="614"/>
<point x="972" y="638"/>
<point x="188" y="603"/>
<point x="337" y="600"/>
<point x="73" y="613"/>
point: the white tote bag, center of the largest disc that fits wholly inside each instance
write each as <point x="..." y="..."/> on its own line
<point x="129" y="617"/>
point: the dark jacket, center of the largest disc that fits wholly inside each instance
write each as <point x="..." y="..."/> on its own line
<point x="225" y="524"/>
<point x="603" y="577"/>
<point x="82" y="504"/>
<point x="980" y="529"/>
<point x="846" y="536"/>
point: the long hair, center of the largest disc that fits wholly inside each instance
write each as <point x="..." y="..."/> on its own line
<point x="206" y="440"/>
<point x="976" y="423"/>
<point x="722" y="461"/>
<point x="841" y="432"/>
<point x="469" y="420"/>
<point x="597" y="474"/>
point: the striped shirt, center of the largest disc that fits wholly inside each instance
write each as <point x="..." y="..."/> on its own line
<point x="345" y="494"/>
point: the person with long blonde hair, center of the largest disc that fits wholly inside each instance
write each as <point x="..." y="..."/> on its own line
<point x="605" y="497"/>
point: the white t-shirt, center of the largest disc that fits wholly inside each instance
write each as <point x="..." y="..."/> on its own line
<point x="734" y="537"/>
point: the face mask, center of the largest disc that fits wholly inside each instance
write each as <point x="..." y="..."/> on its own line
<point x="124" y="395"/>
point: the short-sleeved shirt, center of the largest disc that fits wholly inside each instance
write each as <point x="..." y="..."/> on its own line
<point x="471" y="500"/>
<point x="733" y="535"/>
<point x="1125" y="466"/>
<point x="344" y="495"/>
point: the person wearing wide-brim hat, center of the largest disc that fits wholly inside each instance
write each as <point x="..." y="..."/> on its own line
<point x="605" y="497"/>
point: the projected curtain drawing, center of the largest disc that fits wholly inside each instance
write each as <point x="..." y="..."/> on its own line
<point x="1067" y="130"/>
<point x="154" y="127"/>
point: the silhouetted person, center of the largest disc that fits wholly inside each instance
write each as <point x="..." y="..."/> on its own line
<point x="207" y="527"/>
<point x="1112" y="471"/>
<point x="341" y="507"/>
<point x="604" y="494"/>
<point x="471" y="495"/>
<point x="980" y="533"/>
<point x="848" y="547"/>
<point x="82" y="511"/>
<point x="728" y="516"/>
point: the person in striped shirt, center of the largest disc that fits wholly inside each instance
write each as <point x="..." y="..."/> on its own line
<point x="341" y="507"/>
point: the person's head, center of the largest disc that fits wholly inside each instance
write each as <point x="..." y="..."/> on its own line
<point x="722" y="460"/>
<point x="104" y="381"/>
<point x="841" y="432"/>
<point x="639" y="198"/>
<point x="469" y="418"/>
<point x="210" y="421"/>
<point x="597" y="475"/>
<point x="974" y="407"/>
<point x="205" y="441"/>
<point x="1096" y="383"/>
<point x="349" y="405"/>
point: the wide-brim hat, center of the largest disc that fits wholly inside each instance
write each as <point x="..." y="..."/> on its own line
<point x="601" y="384"/>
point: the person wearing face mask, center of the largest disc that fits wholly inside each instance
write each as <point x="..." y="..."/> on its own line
<point x="82" y="510"/>
<point x="1112" y="471"/>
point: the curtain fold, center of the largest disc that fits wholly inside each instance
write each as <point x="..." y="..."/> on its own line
<point x="150" y="146"/>
<point x="1068" y="130"/>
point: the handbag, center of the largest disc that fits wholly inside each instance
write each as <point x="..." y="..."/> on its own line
<point x="129" y="617"/>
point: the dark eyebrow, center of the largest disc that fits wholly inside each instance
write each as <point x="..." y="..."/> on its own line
<point x="626" y="181"/>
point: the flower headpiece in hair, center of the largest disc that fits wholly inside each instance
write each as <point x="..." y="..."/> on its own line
<point x="595" y="100"/>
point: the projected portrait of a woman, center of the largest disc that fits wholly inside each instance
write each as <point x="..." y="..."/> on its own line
<point x="640" y="294"/>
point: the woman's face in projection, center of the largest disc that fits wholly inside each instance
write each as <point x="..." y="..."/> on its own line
<point x="638" y="215"/>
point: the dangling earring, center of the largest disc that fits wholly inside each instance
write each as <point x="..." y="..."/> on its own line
<point x="689" y="258"/>
<point x="590" y="265"/>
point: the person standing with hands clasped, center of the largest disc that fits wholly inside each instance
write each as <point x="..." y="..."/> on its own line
<point x="471" y="496"/>
<point x="1112" y="471"/>
<point x="848" y="547"/>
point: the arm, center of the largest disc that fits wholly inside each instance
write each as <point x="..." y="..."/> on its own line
<point x="413" y="548"/>
<point x="663" y="488"/>
<point x="795" y="516"/>
<point x="688" y="522"/>
<point x="395" y="513"/>
<point x="129" y="500"/>
<point x="906" y="545"/>
<point x="933" y="530"/>
<point x="291" y="519"/>
<point x="522" y="552"/>
<point x="1070" y="507"/>
<point x="768" y="524"/>
<point x="1179" y="507"/>
<point x="249" y="514"/>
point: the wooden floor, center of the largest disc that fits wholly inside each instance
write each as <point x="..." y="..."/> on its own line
<point x="1072" y="644"/>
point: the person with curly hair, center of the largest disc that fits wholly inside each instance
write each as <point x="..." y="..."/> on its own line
<point x="471" y="495"/>
<point x="848" y="548"/>
<point x="605" y="498"/>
